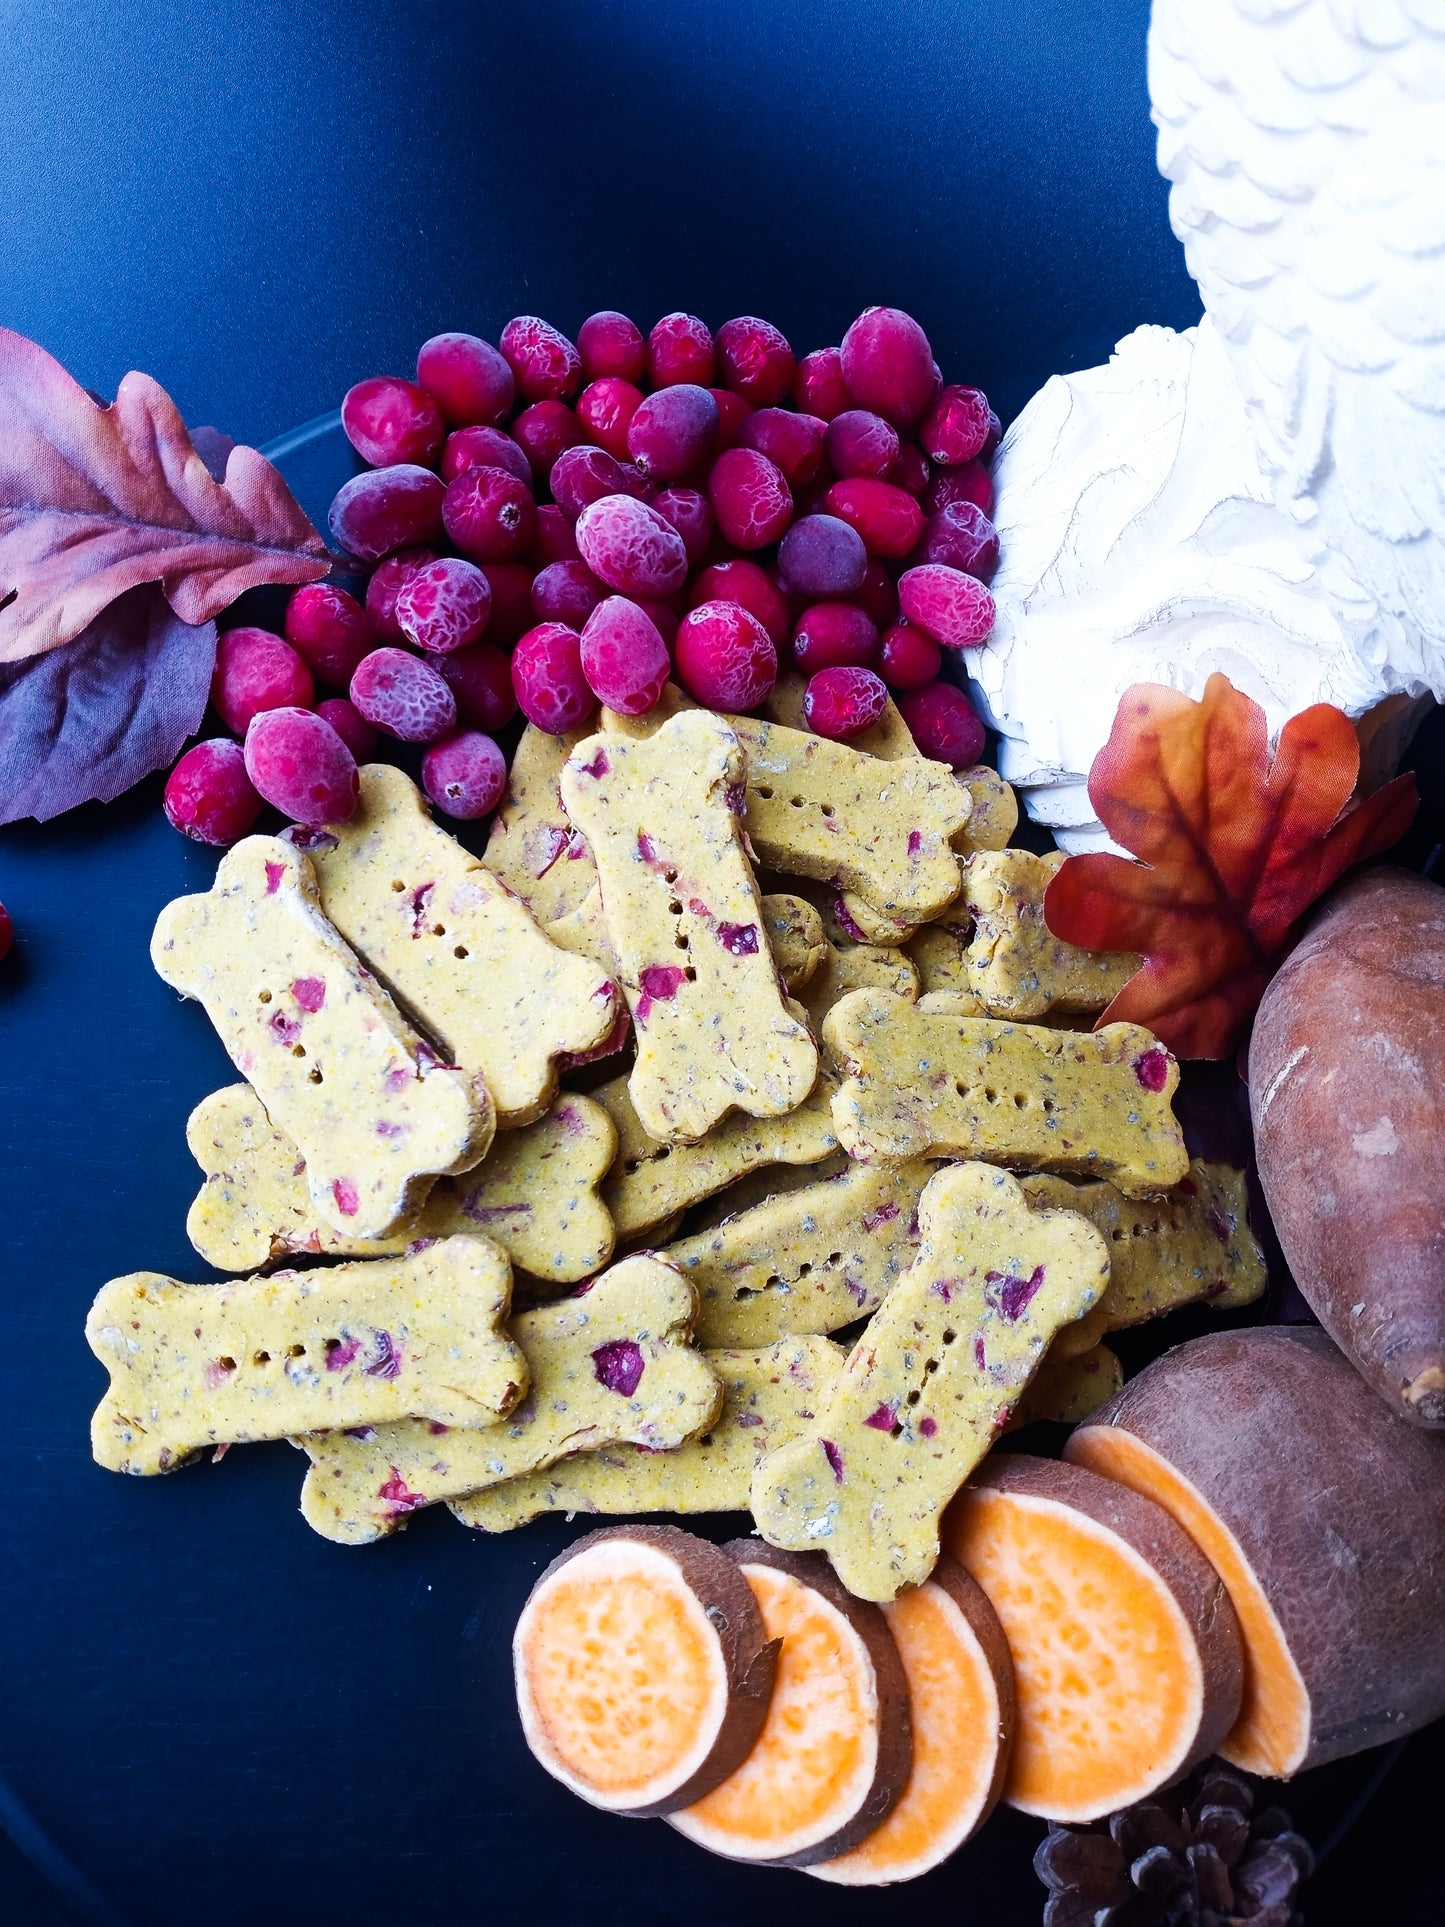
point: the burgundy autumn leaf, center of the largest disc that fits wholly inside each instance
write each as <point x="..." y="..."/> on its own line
<point x="1235" y="847"/>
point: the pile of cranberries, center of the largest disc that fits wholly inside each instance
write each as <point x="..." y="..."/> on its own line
<point x="551" y="525"/>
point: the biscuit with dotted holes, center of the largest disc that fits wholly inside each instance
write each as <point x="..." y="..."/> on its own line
<point x="531" y="846"/>
<point x="1015" y="965"/>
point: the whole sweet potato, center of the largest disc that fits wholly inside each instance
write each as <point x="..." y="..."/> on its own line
<point x="1347" y="1088"/>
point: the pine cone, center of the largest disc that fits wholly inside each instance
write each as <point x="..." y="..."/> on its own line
<point x="1194" y="1855"/>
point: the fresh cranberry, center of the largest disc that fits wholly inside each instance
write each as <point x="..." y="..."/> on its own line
<point x="543" y="431"/>
<point x="484" y="448"/>
<point x="388" y="420"/>
<point x="386" y="509"/>
<point x="674" y="432"/>
<point x="556" y="538"/>
<point x="792" y="442"/>
<point x="888" y="519"/>
<point x="754" y="360"/>
<point x="610" y="344"/>
<point x="382" y="592"/>
<point x="822" y="558"/>
<point x="511" y="586"/>
<point x="943" y="723"/>
<point x="819" y="387"/>
<point x="752" y="589"/>
<point x="403" y="696"/>
<point x="296" y="760"/>
<point x="970" y="483"/>
<point x="605" y="409"/>
<point x="831" y="633"/>
<point x="444" y="605"/>
<point x="582" y="474"/>
<point x="859" y="442"/>
<point x="565" y="592"/>
<point x="624" y="658"/>
<point x="907" y="658"/>
<point x="725" y="657"/>
<point x="329" y="630"/>
<point x="544" y="363"/>
<point x="209" y="797"/>
<point x="469" y="381"/>
<point x="992" y="439"/>
<point x="480" y="679"/>
<point x="888" y="365"/>
<point x="630" y="547"/>
<point x="490" y="515"/>
<point x="956" y="427"/>
<point x="842" y="702"/>
<point x="732" y="411"/>
<point x="254" y="671"/>
<point x="878" y="595"/>
<point x="750" y="497"/>
<point x="946" y="604"/>
<point x="548" y="681"/>
<point x="961" y="536"/>
<point x="912" y="469"/>
<point x="663" y="615"/>
<point x="351" y="726"/>
<point x="465" y="774"/>
<point x="680" y="349"/>
<point x="689" y="512"/>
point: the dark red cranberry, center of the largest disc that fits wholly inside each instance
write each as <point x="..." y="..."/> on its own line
<point x="329" y="630"/>
<point x="907" y="659"/>
<point x="823" y="558"/>
<point x="792" y="442"/>
<point x="209" y="798"/>
<point x="859" y="442"/>
<point x="469" y="380"/>
<point x="956" y="426"/>
<point x="489" y="515"/>
<point x="381" y="594"/>
<point x="993" y="438"/>
<point x="388" y="420"/>
<point x="732" y="411"/>
<point x="605" y="409"/>
<point x="624" y="658"/>
<point x="944" y="724"/>
<point x="750" y="498"/>
<point x="610" y="344"/>
<point x="844" y="702"/>
<point x="911" y="470"/>
<point x="556" y="538"/>
<point x="888" y="518"/>
<point x="582" y="474"/>
<point x="878" y="597"/>
<point x="544" y="363"/>
<point x="547" y="677"/>
<point x="674" y="432"/>
<point x="664" y="615"/>
<point x="254" y="671"/>
<point x="834" y="633"/>
<point x="511" y="585"/>
<point x="480" y="679"/>
<point x="749" y="586"/>
<point x="543" y="431"/>
<point x="970" y="483"/>
<point x="725" y="657"/>
<point x="690" y="513"/>
<point x="754" y="360"/>
<point x="680" y="349"/>
<point x="566" y="592"/>
<point x="386" y="509"/>
<point x="888" y="365"/>
<point x="961" y="536"/>
<point x="351" y="726"/>
<point x="484" y="448"/>
<point x="819" y="387"/>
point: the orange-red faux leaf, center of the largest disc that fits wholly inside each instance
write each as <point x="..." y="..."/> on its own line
<point x="1234" y="848"/>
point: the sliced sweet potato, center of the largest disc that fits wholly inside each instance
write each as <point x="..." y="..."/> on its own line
<point x="961" y="1697"/>
<point x="834" y="1754"/>
<point x="1324" y="1515"/>
<point x="1125" y="1647"/>
<point x="643" y="1670"/>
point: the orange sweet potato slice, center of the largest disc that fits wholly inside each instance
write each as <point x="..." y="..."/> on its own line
<point x="961" y="1696"/>
<point x="834" y="1754"/>
<point x="643" y="1670"/>
<point x="1125" y="1647"/>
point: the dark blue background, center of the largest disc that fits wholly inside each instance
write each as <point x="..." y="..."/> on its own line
<point x="208" y="1715"/>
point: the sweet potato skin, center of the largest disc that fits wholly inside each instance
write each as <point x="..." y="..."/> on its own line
<point x="972" y="1601"/>
<point x="1339" y="1508"/>
<point x="1347" y="1091"/>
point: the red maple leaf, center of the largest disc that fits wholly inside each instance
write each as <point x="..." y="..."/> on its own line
<point x="1235" y="847"/>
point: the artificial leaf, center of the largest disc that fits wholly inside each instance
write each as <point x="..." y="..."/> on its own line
<point x="1235" y="846"/>
<point x="96" y="501"/>
<point x="97" y="714"/>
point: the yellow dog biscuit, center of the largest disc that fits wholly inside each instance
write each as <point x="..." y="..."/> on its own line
<point x="772" y="1181"/>
<point x="1016" y="966"/>
<point x="713" y="1032"/>
<point x="768" y="1398"/>
<point x="198" y="1365"/>
<point x="377" y="1117"/>
<point x="931" y="1381"/>
<point x="610" y="1365"/>
<point x="795" y="937"/>
<point x="931" y="1077"/>
<point x="531" y="846"/>
<point x="939" y="953"/>
<point x="995" y="813"/>
<point x="856" y="966"/>
<point x="1069" y="1386"/>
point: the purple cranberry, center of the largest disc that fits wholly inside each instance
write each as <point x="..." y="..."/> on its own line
<point x="956" y="426"/>
<point x="465" y="775"/>
<point x="859" y="442"/>
<point x="822" y="557"/>
<point x="619" y="1365"/>
<point x="961" y="537"/>
<point x="565" y="592"/>
<point x="543" y="431"/>
<point x="467" y="378"/>
<point x="944" y="724"/>
<point x="480" y="679"/>
<point x="819" y="386"/>
<point x="674" y="432"/>
<point x="386" y="509"/>
<point x="792" y="442"/>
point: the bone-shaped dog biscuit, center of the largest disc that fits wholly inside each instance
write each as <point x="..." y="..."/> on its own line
<point x="939" y="953"/>
<point x="376" y="1115"/>
<point x="199" y="1365"/>
<point x="531" y="846"/>
<point x="1069" y="1386"/>
<point x="713" y="1031"/>
<point x="455" y="947"/>
<point x="995" y="813"/>
<point x="772" y="1181"/>
<point x="931" y="1381"/>
<point x="1016" y="966"/>
<point x="856" y="966"/>
<point x="769" y="1396"/>
<point x="610" y="1365"/>
<point x="795" y="937"/>
<point x="927" y="1078"/>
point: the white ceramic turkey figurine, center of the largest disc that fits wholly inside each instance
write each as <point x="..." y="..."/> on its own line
<point x="1263" y="494"/>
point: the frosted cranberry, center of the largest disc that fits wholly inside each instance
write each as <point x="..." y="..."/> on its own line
<point x="209" y="797"/>
<point x="605" y="410"/>
<point x="861" y="443"/>
<point x="956" y="426"/>
<point x="732" y="411"/>
<point x="907" y="658"/>
<point x="465" y="775"/>
<point x="543" y="431"/>
<point x="912" y="469"/>
<point x="254" y="671"/>
<point x="888" y="519"/>
<point x="329" y="630"/>
<point x="690" y="513"/>
<point x="969" y="483"/>
<point x="548" y="680"/>
<point x="725" y="657"/>
<point x="296" y="760"/>
<point x="565" y="592"/>
<point x="480" y="679"/>
<point x="843" y="702"/>
<point x="490" y="515"/>
<point x="544" y="363"/>
<point x="387" y="420"/>
<point x="831" y="633"/>
<point x="469" y="380"/>
<point x="888" y="365"/>
<point x="680" y="349"/>
<point x="750" y="497"/>
<point x="610" y="344"/>
<point x="792" y="442"/>
<point x="664" y="616"/>
<point x="511" y="586"/>
<point x="819" y="386"/>
<point x="962" y="536"/>
<point x="556" y="538"/>
<point x="484" y="448"/>
<point x="444" y="605"/>
<point x="630" y="547"/>
<point x="386" y="509"/>
<point x="403" y="696"/>
<point x="754" y="360"/>
<point x="943" y="723"/>
<point x="813" y="498"/>
<point x="878" y="595"/>
<point x="946" y="604"/>
<point x="624" y="658"/>
<point x="351" y="726"/>
<point x="581" y="475"/>
<point x="674" y="431"/>
<point x="992" y="439"/>
<point x="752" y="589"/>
<point x="822" y="557"/>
